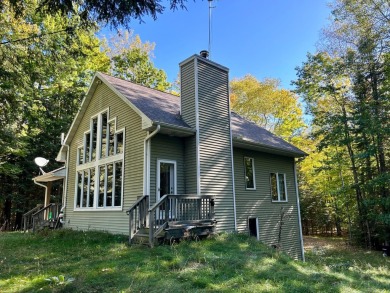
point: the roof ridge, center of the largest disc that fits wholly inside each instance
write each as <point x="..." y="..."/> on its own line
<point x="138" y="84"/>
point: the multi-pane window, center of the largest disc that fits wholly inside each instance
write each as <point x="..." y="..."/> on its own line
<point x="99" y="179"/>
<point x="85" y="188"/>
<point x="249" y="173"/>
<point x="94" y="129"/>
<point x="87" y="146"/>
<point x="119" y="143"/>
<point x="80" y="155"/>
<point x="278" y="186"/>
<point x="104" y="133"/>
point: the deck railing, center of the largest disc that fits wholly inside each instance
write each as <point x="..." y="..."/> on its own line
<point x="48" y="214"/>
<point x="179" y="208"/>
<point x="28" y="218"/>
<point x="138" y="215"/>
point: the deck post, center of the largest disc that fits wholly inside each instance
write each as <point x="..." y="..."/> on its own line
<point x="130" y="229"/>
<point x="151" y="229"/>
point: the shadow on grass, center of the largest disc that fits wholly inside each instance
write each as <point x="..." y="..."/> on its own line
<point x="101" y="262"/>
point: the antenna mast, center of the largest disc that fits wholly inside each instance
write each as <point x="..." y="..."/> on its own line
<point x="210" y="7"/>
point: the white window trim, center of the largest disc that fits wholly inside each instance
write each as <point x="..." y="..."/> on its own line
<point x="277" y="186"/>
<point x="253" y="171"/>
<point x="99" y="162"/>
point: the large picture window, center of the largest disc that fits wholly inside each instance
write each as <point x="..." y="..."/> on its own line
<point x="278" y="187"/>
<point x="99" y="171"/>
<point x="249" y="165"/>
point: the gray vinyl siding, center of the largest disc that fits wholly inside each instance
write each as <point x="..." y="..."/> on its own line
<point x="188" y="113"/>
<point x="187" y="93"/>
<point x="214" y="141"/>
<point x="190" y="169"/>
<point x="112" y="221"/>
<point x="258" y="203"/>
<point x="166" y="147"/>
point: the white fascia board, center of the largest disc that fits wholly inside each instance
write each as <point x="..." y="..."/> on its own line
<point x="54" y="175"/>
<point x="145" y="119"/>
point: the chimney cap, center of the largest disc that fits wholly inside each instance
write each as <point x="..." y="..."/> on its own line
<point x="204" y="54"/>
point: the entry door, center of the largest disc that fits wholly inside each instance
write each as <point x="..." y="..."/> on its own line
<point x="166" y="178"/>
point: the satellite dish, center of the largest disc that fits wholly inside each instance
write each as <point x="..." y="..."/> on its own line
<point x="41" y="162"/>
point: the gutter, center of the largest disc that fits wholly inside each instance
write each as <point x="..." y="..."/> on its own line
<point x="181" y="129"/>
<point x="147" y="160"/>
<point x="40" y="184"/>
<point x="269" y="149"/>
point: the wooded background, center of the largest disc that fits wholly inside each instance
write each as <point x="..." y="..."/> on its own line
<point x="338" y="113"/>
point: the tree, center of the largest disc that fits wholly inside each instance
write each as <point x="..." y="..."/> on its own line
<point x="264" y="103"/>
<point x="131" y="60"/>
<point x="42" y="81"/>
<point x="346" y="90"/>
<point x="89" y="12"/>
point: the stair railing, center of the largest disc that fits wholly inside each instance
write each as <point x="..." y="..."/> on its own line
<point x="181" y="208"/>
<point x="158" y="218"/>
<point x="138" y="216"/>
<point x="28" y="218"/>
<point x="48" y="214"/>
<point x="191" y="208"/>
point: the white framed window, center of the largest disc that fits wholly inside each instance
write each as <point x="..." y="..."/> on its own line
<point x="278" y="187"/>
<point x="80" y="155"/>
<point x="99" y="170"/>
<point x="249" y="166"/>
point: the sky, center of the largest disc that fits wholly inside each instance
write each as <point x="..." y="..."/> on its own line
<point x="264" y="38"/>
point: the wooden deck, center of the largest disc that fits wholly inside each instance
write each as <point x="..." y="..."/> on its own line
<point x="172" y="218"/>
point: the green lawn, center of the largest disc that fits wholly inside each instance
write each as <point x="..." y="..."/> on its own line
<point x="68" y="261"/>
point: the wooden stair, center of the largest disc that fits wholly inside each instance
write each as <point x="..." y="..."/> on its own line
<point x="173" y="217"/>
<point x="142" y="237"/>
<point x="176" y="231"/>
<point x="189" y="229"/>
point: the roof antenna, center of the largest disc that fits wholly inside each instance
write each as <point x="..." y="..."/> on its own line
<point x="210" y="7"/>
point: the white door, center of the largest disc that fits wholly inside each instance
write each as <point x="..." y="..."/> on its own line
<point x="166" y="183"/>
<point x="166" y="178"/>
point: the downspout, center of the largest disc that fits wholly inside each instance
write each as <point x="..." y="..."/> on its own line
<point x="147" y="160"/>
<point x="299" y="212"/>
<point x="42" y="185"/>
<point x="232" y="159"/>
<point x="65" y="196"/>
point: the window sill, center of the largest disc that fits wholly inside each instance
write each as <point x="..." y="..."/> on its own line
<point x="250" y="189"/>
<point x="116" y="209"/>
<point x="276" y="201"/>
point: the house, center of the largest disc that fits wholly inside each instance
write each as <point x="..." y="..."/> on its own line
<point x="128" y="141"/>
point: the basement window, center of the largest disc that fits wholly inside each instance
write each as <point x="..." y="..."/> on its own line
<point x="278" y="187"/>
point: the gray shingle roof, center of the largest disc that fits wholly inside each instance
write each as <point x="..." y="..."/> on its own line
<point x="162" y="107"/>
<point x="156" y="105"/>
<point x="247" y="131"/>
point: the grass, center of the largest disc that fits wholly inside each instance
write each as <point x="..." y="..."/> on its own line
<point x="70" y="261"/>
